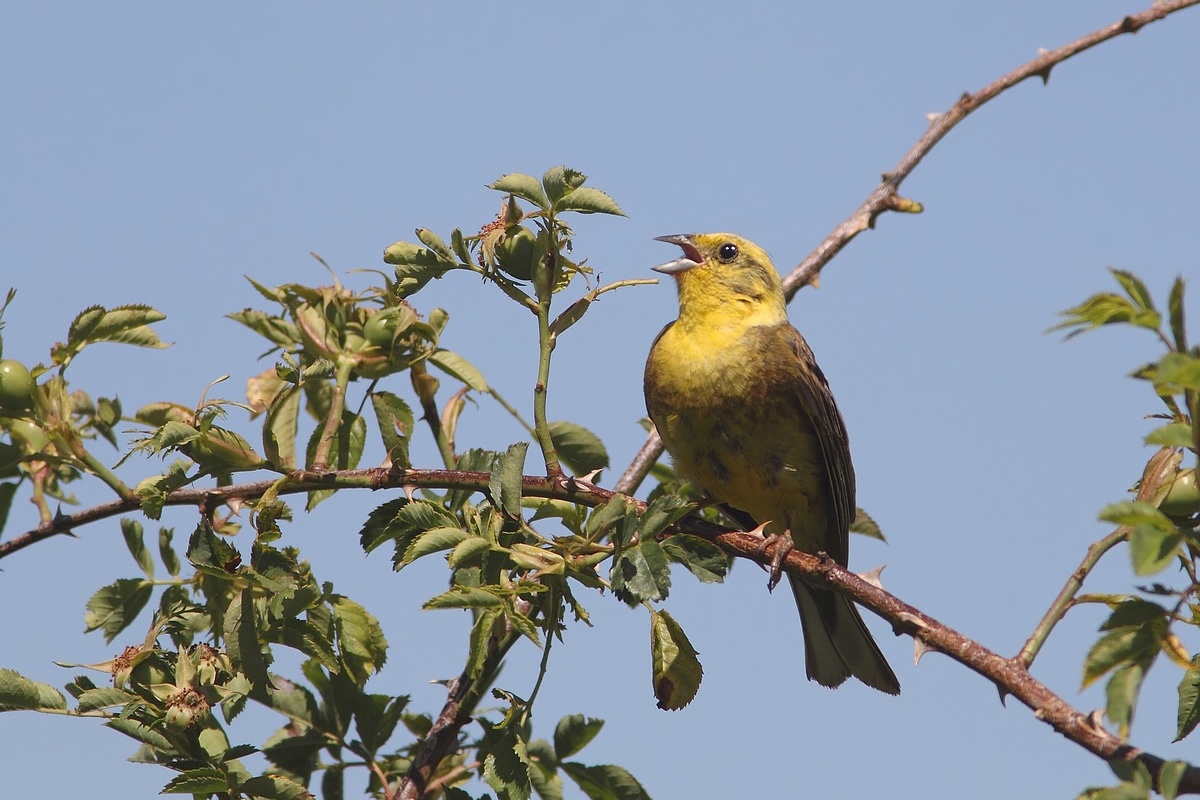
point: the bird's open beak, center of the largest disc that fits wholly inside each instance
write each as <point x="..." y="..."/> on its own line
<point x="691" y="256"/>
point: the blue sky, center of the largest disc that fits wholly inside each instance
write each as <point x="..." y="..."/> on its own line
<point x="157" y="153"/>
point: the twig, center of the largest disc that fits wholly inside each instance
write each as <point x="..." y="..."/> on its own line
<point x="886" y="198"/>
<point x="1156" y="471"/>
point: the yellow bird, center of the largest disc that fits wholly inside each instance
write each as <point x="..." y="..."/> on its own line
<point x="747" y="415"/>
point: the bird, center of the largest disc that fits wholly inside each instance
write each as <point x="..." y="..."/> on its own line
<point x="747" y="415"/>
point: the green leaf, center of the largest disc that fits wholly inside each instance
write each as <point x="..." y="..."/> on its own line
<point x="123" y="324"/>
<point x="481" y="637"/>
<point x="524" y="186"/>
<point x="18" y="693"/>
<point x="676" y="667"/>
<point x="346" y="452"/>
<point x="361" y="642"/>
<point x="558" y="181"/>
<point x="464" y="597"/>
<point x="580" y="449"/>
<point x="662" y="512"/>
<point x="274" y="787"/>
<point x="1134" y="630"/>
<point x="1134" y="287"/>
<point x="1121" y="696"/>
<point x="506" y="765"/>
<point x="458" y="367"/>
<point x="1189" y="700"/>
<point x="1169" y="777"/>
<point x="703" y="559"/>
<point x="1177" y="373"/>
<point x="1152" y="550"/>
<point x="434" y="540"/>
<point x="375" y="719"/>
<point x="395" y="420"/>
<point x="113" y="608"/>
<point x="132" y="531"/>
<point x="543" y="773"/>
<point x="587" y="200"/>
<point x="200" y="781"/>
<point x="1105" y="308"/>
<point x="407" y="254"/>
<point x="7" y="491"/>
<point x="240" y="631"/>
<point x="1136" y="512"/>
<point x="605" y="782"/>
<point x="167" y="552"/>
<point x="1175" y="309"/>
<point x="616" y="519"/>
<point x="865" y="525"/>
<point x="436" y="244"/>
<point x="641" y="572"/>
<point x="279" y="428"/>
<point x="467" y="550"/>
<point x="103" y="697"/>
<point x="505" y="483"/>
<point x="1173" y="434"/>
<point x="573" y="733"/>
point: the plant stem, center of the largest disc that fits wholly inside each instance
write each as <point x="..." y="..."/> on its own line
<point x="545" y="348"/>
<point x="425" y="385"/>
<point x="333" y="419"/>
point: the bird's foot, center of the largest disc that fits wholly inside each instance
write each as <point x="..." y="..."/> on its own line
<point x="783" y="545"/>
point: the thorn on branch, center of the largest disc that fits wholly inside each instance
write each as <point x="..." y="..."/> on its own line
<point x="920" y="648"/>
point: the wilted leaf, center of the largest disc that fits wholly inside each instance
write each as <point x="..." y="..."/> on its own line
<point x="676" y="667"/>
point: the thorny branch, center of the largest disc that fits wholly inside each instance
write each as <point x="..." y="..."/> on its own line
<point x="1010" y="675"/>
<point x="886" y="197"/>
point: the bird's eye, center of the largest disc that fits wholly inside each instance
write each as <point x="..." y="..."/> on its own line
<point x="727" y="252"/>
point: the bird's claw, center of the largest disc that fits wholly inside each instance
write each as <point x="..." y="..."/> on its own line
<point x="783" y="545"/>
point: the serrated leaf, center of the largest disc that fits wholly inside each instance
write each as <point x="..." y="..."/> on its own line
<point x="1135" y="288"/>
<point x="132" y="532"/>
<point x="506" y="766"/>
<point x="587" y="200"/>
<point x="676" y="667"/>
<point x="481" y="636"/>
<point x="361" y="642"/>
<point x="435" y="243"/>
<point x="1152" y="550"/>
<point x="580" y="449"/>
<point x="1133" y="633"/>
<point x="458" y="367"/>
<point x="103" y="697"/>
<point x="559" y="180"/>
<point x="434" y="540"/>
<point x="113" y="608"/>
<point x="395" y="421"/>
<point x="865" y="525"/>
<point x="464" y="597"/>
<point x="640" y="573"/>
<point x="1121" y="694"/>
<point x="1173" y="434"/>
<point x="467" y="550"/>
<point x="279" y="428"/>
<point x="505" y="483"/>
<point x="662" y="512"/>
<point x="524" y="186"/>
<point x="703" y="559"/>
<point x="573" y="734"/>
<point x="123" y="324"/>
<point x="240" y="631"/>
<point x="1189" y="700"/>
<point x="7" y="492"/>
<point x="617" y="515"/>
<point x="1136" y="512"/>
<point x="18" y="693"/>
<point x="1177" y="373"/>
<point x="1175" y="311"/>
<point x="200" y="781"/>
<point x="275" y="787"/>
<point x="1169" y="777"/>
<point x="605" y="782"/>
<point x="423" y="259"/>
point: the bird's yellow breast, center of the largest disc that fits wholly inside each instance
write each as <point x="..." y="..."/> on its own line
<point x="725" y="403"/>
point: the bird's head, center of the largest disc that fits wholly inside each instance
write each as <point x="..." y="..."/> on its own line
<point x="722" y="273"/>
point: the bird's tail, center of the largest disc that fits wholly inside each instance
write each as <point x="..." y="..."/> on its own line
<point x="837" y="643"/>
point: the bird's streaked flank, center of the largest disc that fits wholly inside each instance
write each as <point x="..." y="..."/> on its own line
<point x="745" y="412"/>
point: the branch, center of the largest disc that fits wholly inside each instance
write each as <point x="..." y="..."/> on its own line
<point x="1010" y="675"/>
<point x="886" y="198"/>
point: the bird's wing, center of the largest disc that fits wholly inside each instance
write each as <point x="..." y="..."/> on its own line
<point x="817" y="402"/>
